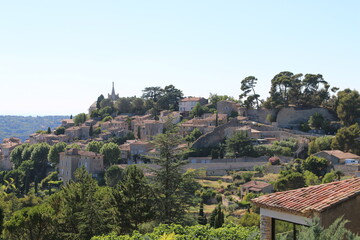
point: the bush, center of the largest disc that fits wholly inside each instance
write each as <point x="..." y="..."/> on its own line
<point x="274" y="161"/>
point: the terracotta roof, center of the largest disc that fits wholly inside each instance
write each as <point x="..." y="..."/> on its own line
<point x="317" y="198"/>
<point x="256" y="184"/>
<point x="342" y="155"/>
<point x="191" y="99"/>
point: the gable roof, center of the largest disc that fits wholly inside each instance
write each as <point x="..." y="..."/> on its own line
<point x="255" y="184"/>
<point x="341" y="155"/>
<point x="317" y="198"/>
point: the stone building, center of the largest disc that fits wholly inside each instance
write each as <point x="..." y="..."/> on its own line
<point x="5" y="150"/>
<point x="73" y="158"/>
<point x="337" y="156"/>
<point x="187" y="104"/>
<point x="132" y="150"/>
<point x="256" y="187"/>
<point x="294" y="208"/>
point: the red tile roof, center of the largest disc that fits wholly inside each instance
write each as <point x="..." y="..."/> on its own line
<point x="317" y="198"/>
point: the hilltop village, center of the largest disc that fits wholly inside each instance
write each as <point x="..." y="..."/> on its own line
<point x="240" y="154"/>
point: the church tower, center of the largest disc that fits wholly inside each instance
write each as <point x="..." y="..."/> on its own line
<point x="113" y="96"/>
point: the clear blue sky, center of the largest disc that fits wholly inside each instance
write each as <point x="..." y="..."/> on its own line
<point x="57" y="57"/>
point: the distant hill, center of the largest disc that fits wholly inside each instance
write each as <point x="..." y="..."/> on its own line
<point x="22" y="127"/>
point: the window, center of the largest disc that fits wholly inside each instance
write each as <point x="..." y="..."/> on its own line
<point x="284" y="229"/>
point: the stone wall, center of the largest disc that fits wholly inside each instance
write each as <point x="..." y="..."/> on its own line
<point x="213" y="138"/>
<point x="259" y="115"/>
<point x="265" y="227"/>
<point x="289" y="117"/>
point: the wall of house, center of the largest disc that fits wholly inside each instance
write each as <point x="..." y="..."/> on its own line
<point x="334" y="160"/>
<point x="349" y="209"/>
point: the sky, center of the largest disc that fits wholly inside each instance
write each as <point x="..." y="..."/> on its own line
<point x="57" y="57"/>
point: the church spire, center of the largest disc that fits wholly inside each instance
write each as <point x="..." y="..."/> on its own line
<point x="113" y="96"/>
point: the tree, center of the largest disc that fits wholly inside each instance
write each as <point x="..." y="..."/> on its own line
<point x="248" y="85"/>
<point x="113" y="175"/>
<point x="348" y="106"/>
<point x="79" y="208"/>
<point x="16" y="155"/>
<point x="316" y="121"/>
<point x="215" y="98"/>
<point x="80" y="119"/>
<point x="320" y="144"/>
<point x="174" y="193"/>
<point x="137" y="198"/>
<point x="111" y="153"/>
<point x="202" y="217"/>
<point x="282" y="85"/>
<point x="289" y="181"/>
<point x="94" y="146"/>
<point x="31" y="223"/>
<point x="123" y="105"/>
<point x="197" y="111"/>
<point x="152" y="93"/>
<point x="48" y="130"/>
<point x="329" y="177"/>
<point x="91" y="131"/>
<point x="336" y="230"/>
<point x="107" y="103"/>
<point x="217" y="217"/>
<point x="345" y="139"/>
<point x="311" y="178"/>
<point x="239" y="145"/>
<point x="137" y="106"/>
<point x="312" y="94"/>
<point x="54" y="152"/>
<point x="59" y="130"/>
<point x="40" y="157"/>
<point x="170" y="98"/>
<point x="316" y="165"/>
<point x="99" y="99"/>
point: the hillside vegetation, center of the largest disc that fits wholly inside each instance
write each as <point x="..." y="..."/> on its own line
<point x="22" y="127"/>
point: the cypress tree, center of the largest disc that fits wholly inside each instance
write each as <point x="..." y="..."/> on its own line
<point x="49" y="130"/>
<point x="202" y="217"/>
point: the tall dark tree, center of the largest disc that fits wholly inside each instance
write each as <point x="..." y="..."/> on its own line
<point x="348" y="106"/>
<point x="170" y="98"/>
<point x="247" y="86"/>
<point x="99" y="99"/>
<point x="173" y="187"/>
<point x="48" y="130"/>
<point x="217" y="217"/>
<point x="202" y="217"/>
<point x="137" y="198"/>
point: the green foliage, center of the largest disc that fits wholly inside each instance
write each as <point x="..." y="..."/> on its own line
<point x="215" y="98"/>
<point x="98" y="101"/>
<point x="320" y="144"/>
<point x="202" y="217"/>
<point x="317" y="121"/>
<point x="176" y="191"/>
<point x="111" y="153"/>
<point x="239" y="145"/>
<point x="248" y="85"/>
<point x="348" y="106"/>
<point x="16" y="155"/>
<point x="54" y="151"/>
<point x="80" y="119"/>
<point x="336" y="230"/>
<point x="106" y="119"/>
<point x="31" y="223"/>
<point x="345" y="139"/>
<point x="198" y="110"/>
<point x="193" y="136"/>
<point x="21" y="127"/>
<point x="216" y="219"/>
<point x="228" y="232"/>
<point x="316" y="165"/>
<point x="94" y="146"/>
<point x="250" y="220"/>
<point x="134" y="200"/>
<point x="329" y="177"/>
<point x="59" y="130"/>
<point x="113" y="175"/>
<point x="291" y="180"/>
<point x="311" y="178"/>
